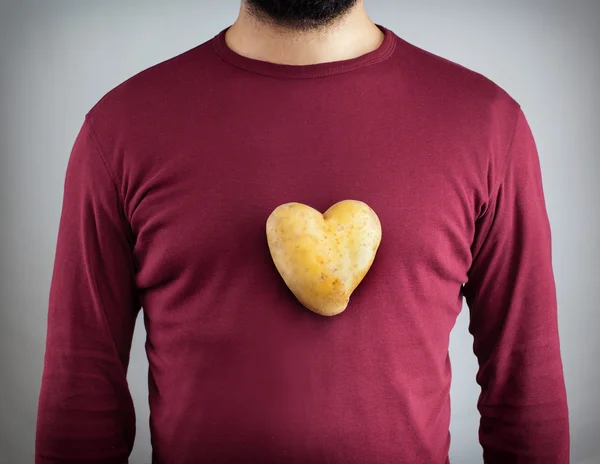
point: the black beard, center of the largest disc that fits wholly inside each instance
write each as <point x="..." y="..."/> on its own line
<point x="300" y="14"/>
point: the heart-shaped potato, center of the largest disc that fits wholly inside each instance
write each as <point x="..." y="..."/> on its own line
<point x="323" y="257"/>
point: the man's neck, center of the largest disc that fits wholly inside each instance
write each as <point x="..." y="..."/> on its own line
<point x="349" y="37"/>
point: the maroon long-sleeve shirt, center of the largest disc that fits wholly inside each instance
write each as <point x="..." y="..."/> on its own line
<point x="167" y="191"/>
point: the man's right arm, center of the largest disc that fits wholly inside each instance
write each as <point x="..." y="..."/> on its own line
<point x="85" y="412"/>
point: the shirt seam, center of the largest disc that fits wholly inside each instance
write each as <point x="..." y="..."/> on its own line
<point x="508" y="154"/>
<point x="100" y="150"/>
<point x="491" y="204"/>
<point x="332" y="72"/>
<point x="113" y="177"/>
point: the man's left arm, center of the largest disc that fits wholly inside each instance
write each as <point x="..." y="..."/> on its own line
<point x="511" y="296"/>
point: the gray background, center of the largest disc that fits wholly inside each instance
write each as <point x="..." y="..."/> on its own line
<point x="59" y="57"/>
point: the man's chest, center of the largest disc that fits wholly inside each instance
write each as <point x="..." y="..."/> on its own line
<point x="206" y="207"/>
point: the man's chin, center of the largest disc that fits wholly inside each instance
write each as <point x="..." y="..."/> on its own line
<point x="302" y="15"/>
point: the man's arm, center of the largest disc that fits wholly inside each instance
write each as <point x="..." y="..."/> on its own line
<point x="511" y="296"/>
<point x="85" y="412"/>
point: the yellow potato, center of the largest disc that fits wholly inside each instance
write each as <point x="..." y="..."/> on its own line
<point x="323" y="257"/>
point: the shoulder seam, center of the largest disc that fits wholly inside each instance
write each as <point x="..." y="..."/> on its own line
<point x="115" y="180"/>
<point x="507" y="157"/>
<point x="94" y="135"/>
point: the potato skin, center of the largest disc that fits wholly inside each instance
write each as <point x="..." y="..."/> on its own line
<point x="322" y="258"/>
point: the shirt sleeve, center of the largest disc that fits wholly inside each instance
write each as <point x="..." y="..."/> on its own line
<point x="85" y="410"/>
<point x="512" y="301"/>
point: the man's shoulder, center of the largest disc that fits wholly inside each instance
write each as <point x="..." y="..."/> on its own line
<point x="453" y="84"/>
<point x="152" y="88"/>
<point x="468" y="107"/>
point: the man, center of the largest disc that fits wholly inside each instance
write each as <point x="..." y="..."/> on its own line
<point x="167" y="191"/>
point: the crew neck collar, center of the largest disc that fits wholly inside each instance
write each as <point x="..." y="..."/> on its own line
<point x="267" y="68"/>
